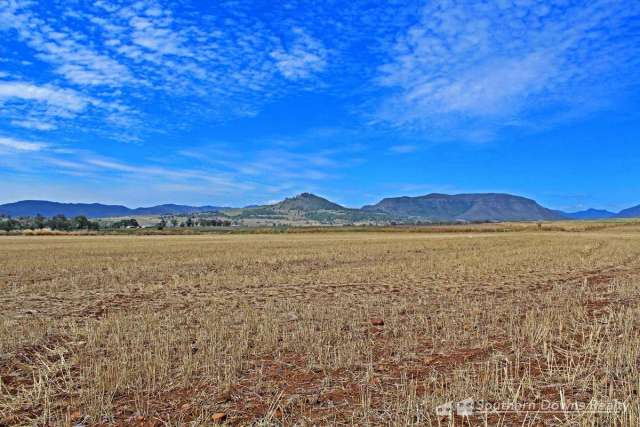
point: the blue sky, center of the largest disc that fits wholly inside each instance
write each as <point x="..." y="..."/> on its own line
<point x="238" y="102"/>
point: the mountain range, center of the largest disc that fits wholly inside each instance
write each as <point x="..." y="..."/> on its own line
<point x="432" y="207"/>
<point x="592" y="214"/>
<point x="95" y="210"/>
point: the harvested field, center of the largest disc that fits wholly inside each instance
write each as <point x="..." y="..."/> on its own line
<point x="318" y="329"/>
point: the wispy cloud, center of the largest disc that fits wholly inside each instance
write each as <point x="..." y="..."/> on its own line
<point x="466" y="67"/>
<point x="403" y="149"/>
<point x="304" y="57"/>
<point x="68" y="51"/>
<point x="221" y="65"/>
<point x="46" y="107"/>
<point x="270" y="166"/>
<point x="19" y="145"/>
<point x="476" y="66"/>
<point x="286" y="167"/>
<point x="34" y="124"/>
<point x="32" y="158"/>
<point x="175" y="176"/>
<point x="64" y="99"/>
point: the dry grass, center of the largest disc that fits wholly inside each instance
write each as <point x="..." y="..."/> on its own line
<point x="317" y="329"/>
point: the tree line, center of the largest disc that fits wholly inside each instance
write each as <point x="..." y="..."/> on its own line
<point x="39" y="222"/>
<point x="193" y="222"/>
<point x="81" y="222"/>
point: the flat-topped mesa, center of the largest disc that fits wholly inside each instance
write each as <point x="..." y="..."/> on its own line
<point x="465" y="207"/>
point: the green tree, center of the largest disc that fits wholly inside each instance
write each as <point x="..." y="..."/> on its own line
<point x="81" y="222"/>
<point x="39" y="222"/>
<point x="126" y="223"/>
<point x="59" y="222"/>
<point x="6" y="225"/>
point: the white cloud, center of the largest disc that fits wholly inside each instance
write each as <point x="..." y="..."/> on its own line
<point x="69" y="52"/>
<point x="227" y="62"/>
<point x="470" y="66"/>
<point x="34" y="158"/>
<point x="305" y="57"/>
<point x="289" y="166"/>
<point x="169" y="176"/>
<point x="490" y="89"/>
<point x="19" y="145"/>
<point x="66" y="99"/>
<point x="475" y="66"/>
<point x="155" y="34"/>
<point x="47" y="107"/>
<point x="34" y="124"/>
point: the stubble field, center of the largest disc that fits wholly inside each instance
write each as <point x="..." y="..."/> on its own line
<point x="318" y="329"/>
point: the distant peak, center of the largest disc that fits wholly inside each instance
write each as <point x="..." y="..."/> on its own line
<point x="307" y="202"/>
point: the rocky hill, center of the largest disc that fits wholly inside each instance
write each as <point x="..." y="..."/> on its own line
<point x="307" y="202"/>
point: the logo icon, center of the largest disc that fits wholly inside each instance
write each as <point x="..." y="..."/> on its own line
<point x="464" y="408"/>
